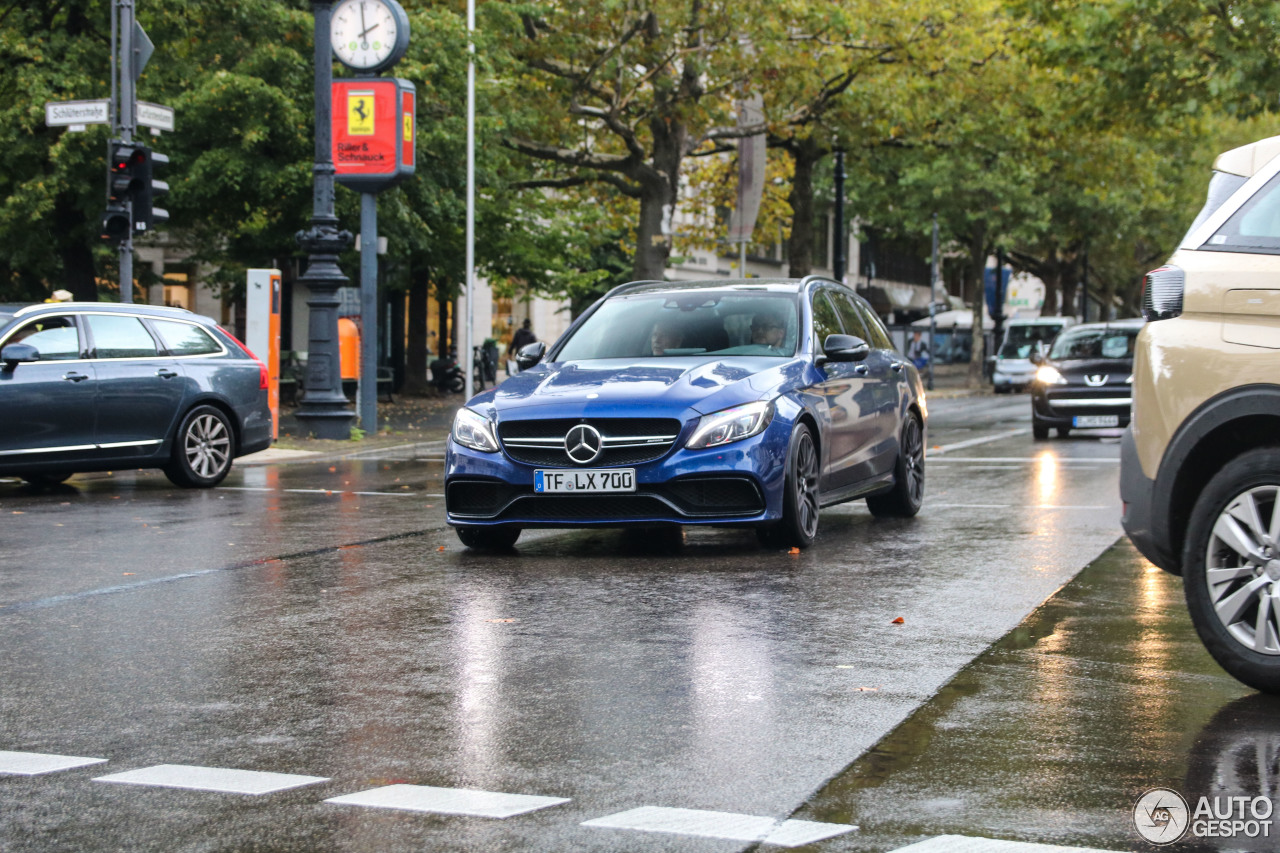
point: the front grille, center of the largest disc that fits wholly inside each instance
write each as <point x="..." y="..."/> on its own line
<point x="627" y="441"/>
<point x="589" y="508"/>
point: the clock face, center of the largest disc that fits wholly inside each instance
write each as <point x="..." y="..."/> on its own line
<point x="365" y="33"/>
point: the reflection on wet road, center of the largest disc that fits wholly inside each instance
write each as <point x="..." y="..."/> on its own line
<point x="319" y="619"/>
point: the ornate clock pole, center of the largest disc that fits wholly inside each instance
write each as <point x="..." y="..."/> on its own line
<point x="323" y="411"/>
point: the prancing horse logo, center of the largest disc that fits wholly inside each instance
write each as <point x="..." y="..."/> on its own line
<point x="583" y="444"/>
<point x="1096" y="379"/>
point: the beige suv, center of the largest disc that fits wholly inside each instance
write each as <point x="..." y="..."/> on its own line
<point x="1200" y="463"/>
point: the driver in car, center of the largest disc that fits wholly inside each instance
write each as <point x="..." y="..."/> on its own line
<point x="665" y="335"/>
<point x="767" y="330"/>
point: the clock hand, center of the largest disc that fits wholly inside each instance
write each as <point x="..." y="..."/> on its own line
<point x="362" y="18"/>
<point x="367" y="30"/>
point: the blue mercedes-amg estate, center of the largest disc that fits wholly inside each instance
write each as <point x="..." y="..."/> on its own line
<point x="744" y="403"/>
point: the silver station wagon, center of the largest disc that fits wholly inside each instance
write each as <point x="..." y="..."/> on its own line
<point x="99" y="386"/>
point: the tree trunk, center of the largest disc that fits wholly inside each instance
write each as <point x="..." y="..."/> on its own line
<point x="416" y="379"/>
<point x="659" y="186"/>
<point x="78" y="272"/>
<point x="975" y="285"/>
<point x="806" y="153"/>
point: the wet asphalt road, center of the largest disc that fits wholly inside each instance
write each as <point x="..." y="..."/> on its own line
<point x="318" y="618"/>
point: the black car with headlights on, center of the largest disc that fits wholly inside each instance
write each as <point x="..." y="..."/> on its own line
<point x="1086" y="380"/>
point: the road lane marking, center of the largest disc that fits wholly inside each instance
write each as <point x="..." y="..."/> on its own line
<point x="1019" y="506"/>
<point x="733" y="827"/>
<point x="974" y="442"/>
<point x="971" y="844"/>
<point x="222" y="779"/>
<point x="1060" y="460"/>
<point x="35" y="763"/>
<point x="459" y="801"/>
<point x="330" y="492"/>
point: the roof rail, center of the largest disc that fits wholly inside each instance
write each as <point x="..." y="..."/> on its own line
<point x="38" y="306"/>
<point x="815" y="277"/>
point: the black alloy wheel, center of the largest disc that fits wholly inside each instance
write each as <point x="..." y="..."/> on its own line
<point x="799" y="524"/>
<point x="489" y="538"/>
<point x="1231" y="568"/>
<point x="907" y="495"/>
<point x="202" y="449"/>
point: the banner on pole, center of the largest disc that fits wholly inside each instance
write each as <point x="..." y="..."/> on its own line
<point x="373" y="130"/>
<point x="751" y="169"/>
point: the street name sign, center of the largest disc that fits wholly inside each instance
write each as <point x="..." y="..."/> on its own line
<point x="77" y="114"/>
<point x="154" y="115"/>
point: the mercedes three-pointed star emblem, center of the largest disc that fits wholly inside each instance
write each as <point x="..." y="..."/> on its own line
<point x="583" y="444"/>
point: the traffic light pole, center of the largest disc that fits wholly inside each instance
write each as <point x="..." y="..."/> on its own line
<point x="126" y="113"/>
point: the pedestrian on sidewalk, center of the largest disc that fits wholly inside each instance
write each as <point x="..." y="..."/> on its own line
<point x="918" y="350"/>
<point x="522" y="338"/>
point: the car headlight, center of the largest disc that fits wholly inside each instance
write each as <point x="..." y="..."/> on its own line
<point x="474" y="430"/>
<point x="1047" y="375"/>
<point x="731" y="425"/>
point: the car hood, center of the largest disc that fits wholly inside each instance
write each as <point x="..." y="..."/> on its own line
<point x="657" y="387"/>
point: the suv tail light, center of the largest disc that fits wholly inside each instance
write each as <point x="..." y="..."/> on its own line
<point x="1162" y="293"/>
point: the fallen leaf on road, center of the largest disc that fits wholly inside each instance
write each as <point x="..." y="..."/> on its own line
<point x="868" y="689"/>
<point x="332" y="468"/>
<point x="794" y="551"/>
<point x="899" y="621"/>
<point x="20" y="512"/>
<point x="441" y="548"/>
<point x="499" y="620"/>
<point x="127" y="574"/>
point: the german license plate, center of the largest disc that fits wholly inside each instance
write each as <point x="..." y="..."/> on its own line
<point x="1086" y="421"/>
<point x="593" y="481"/>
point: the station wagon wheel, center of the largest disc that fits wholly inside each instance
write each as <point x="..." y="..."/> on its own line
<point x="907" y="495"/>
<point x="202" y="449"/>
<point x="1231" y="566"/>
<point x="799" y="524"/>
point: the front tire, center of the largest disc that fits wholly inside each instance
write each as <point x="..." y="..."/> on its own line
<point x="907" y="495"/>
<point x="1231" y="568"/>
<point x="202" y="449"/>
<point x="489" y="538"/>
<point x="1039" y="431"/>
<point x="799" y="525"/>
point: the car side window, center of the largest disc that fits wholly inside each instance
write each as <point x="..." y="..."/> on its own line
<point x="1255" y="227"/>
<point x="55" y="338"/>
<point x="825" y="320"/>
<point x="853" y="322"/>
<point x="118" y="336"/>
<point x="185" y="338"/>
<point x="879" y="335"/>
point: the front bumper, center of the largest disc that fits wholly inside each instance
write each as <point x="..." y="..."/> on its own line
<point x="1061" y="406"/>
<point x="1137" y="493"/>
<point x="738" y="483"/>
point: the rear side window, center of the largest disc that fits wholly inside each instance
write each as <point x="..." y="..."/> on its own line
<point x="185" y="338"/>
<point x="879" y="337"/>
<point x="55" y="338"/>
<point x="120" y="337"/>
<point x="1255" y="227"/>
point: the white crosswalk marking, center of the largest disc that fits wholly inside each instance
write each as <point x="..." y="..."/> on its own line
<point x="35" y="763"/>
<point x="969" y="844"/>
<point x="221" y="779"/>
<point x="734" y="827"/>
<point x="459" y="801"/>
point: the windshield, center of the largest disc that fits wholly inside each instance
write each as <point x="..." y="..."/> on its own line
<point x="1221" y="186"/>
<point x="1020" y="341"/>
<point x="688" y="323"/>
<point x="1094" y="343"/>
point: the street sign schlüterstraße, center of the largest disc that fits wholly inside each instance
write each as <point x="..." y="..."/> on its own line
<point x="71" y="113"/>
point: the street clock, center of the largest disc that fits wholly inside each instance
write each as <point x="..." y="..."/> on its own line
<point x="369" y="35"/>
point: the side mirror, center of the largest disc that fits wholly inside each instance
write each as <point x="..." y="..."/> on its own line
<point x="845" y="348"/>
<point x="15" y="354"/>
<point x="530" y="354"/>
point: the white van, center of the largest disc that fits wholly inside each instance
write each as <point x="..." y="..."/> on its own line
<point x="1013" y="368"/>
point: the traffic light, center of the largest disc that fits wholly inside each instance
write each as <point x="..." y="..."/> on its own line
<point x="125" y="181"/>
<point x="116" y="225"/>
<point x="145" y="214"/>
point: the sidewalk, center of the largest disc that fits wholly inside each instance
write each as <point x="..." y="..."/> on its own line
<point x="415" y="419"/>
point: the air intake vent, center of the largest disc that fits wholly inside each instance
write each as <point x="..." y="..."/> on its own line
<point x="1162" y="293"/>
